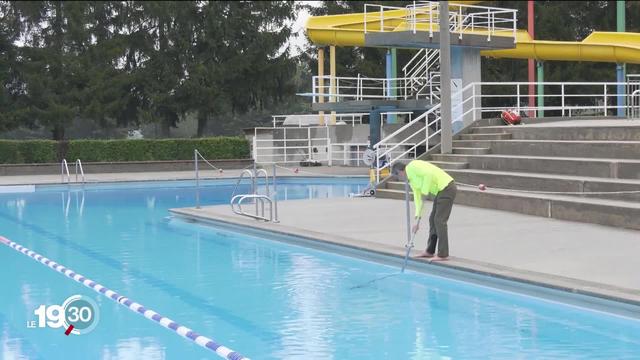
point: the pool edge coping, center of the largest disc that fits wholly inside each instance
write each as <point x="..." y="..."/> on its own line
<point x="595" y="296"/>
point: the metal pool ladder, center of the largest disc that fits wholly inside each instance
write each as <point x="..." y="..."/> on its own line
<point x="258" y="199"/>
<point x="64" y="170"/>
<point x="237" y="200"/>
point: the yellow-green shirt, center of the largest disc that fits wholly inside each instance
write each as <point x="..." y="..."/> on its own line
<point x="425" y="178"/>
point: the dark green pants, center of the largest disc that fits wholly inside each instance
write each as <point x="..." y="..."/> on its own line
<point x="438" y="232"/>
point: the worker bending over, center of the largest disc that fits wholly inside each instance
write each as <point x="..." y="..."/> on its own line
<point x="424" y="179"/>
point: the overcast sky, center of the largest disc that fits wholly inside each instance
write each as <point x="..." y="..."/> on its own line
<point x="299" y="39"/>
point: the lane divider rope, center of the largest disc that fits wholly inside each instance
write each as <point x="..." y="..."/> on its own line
<point x="183" y="331"/>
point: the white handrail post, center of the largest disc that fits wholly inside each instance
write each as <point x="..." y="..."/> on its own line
<point x="377" y="165"/>
<point x="459" y="21"/>
<point x="195" y="157"/>
<point x="309" y="143"/>
<point x="275" y="192"/>
<point x="329" y="149"/>
<point x="285" y="142"/>
<point x="605" y="99"/>
<point x="414" y="17"/>
<point x="431" y="19"/>
<point x="562" y="97"/>
<point x="254" y="189"/>
<point x="515" y="23"/>
<point x="518" y="97"/>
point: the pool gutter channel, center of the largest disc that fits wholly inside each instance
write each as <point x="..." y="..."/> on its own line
<point x="593" y="296"/>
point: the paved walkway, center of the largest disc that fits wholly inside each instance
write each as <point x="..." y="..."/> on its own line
<point x="582" y="257"/>
<point x="181" y="175"/>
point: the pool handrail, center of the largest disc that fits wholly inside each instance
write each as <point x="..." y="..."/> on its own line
<point x="236" y="206"/>
<point x="64" y="167"/>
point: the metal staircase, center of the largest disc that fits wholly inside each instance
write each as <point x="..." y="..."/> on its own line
<point x="423" y="74"/>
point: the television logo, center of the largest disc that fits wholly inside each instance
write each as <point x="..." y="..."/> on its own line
<point x="78" y="315"/>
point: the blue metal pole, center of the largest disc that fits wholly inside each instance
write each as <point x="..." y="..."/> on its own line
<point x="620" y="89"/>
<point x="620" y="68"/>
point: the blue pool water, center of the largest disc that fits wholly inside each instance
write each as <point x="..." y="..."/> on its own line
<point x="263" y="298"/>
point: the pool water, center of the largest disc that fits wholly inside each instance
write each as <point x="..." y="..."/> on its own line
<point x="260" y="297"/>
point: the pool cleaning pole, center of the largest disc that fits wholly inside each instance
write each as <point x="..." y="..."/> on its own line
<point x="408" y="211"/>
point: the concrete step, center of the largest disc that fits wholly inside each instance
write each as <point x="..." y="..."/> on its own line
<point x="580" y="185"/>
<point x="557" y="132"/>
<point x="564" y="148"/>
<point x="486" y="136"/>
<point x="604" y="168"/>
<point x="595" y="211"/>
<point x="495" y="121"/>
<point x="471" y="150"/>
<point x="449" y="165"/>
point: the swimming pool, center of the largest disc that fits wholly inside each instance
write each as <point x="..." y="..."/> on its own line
<point x="261" y="297"/>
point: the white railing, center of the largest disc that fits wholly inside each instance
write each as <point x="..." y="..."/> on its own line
<point x="317" y="119"/>
<point x="292" y="145"/>
<point x="422" y="63"/>
<point x="489" y="99"/>
<point x="421" y="129"/>
<point x="634" y="105"/>
<point x="364" y="88"/>
<point x="425" y="16"/>
<point x="352" y="154"/>
<point x="633" y="91"/>
<point x="560" y="98"/>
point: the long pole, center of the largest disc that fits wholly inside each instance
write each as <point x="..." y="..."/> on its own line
<point x="531" y="63"/>
<point x="445" y="79"/>
<point x="407" y="209"/>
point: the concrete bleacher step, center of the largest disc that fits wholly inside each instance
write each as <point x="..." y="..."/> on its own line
<point x="486" y="136"/>
<point x="450" y="165"/>
<point x="471" y="150"/>
<point x="580" y="185"/>
<point x="564" y="148"/>
<point x="550" y="131"/>
<point x="596" y="211"/>
<point x="594" y="167"/>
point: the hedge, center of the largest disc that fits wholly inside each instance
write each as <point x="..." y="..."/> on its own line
<point x="48" y="151"/>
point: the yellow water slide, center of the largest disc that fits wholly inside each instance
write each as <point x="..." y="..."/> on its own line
<point x="617" y="47"/>
<point x="349" y="30"/>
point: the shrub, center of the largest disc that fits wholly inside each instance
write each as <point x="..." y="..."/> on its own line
<point x="47" y="151"/>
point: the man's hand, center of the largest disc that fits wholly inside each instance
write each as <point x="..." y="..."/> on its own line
<point x="415" y="228"/>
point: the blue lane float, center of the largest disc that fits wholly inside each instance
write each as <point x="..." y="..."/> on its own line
<point x="166" y="322"/>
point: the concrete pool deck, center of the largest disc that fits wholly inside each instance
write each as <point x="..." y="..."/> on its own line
<point x="177" y="175"/>
<point x="577" y="257"/>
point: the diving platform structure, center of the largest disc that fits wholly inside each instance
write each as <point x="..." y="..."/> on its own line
<point x="399" y="115"/>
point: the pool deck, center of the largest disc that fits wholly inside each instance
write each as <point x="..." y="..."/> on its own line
<point x="177" y="175"/>
<point x="576" y="257"/>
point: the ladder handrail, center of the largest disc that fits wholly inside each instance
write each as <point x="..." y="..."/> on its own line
<point x="238" y="199"/>
<point x="244" y="171"/>
<point x="64" y="167"/>
<point x="79" y="164"/>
